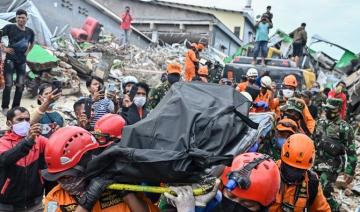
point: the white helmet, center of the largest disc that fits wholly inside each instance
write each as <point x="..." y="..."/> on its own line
<point x="247" y="95"/>
<point x="252" y="72"/>
<point x="128" y="79"/>
<point x="266" y="81"/>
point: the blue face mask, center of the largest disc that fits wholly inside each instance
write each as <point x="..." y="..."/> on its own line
<point x="280" y="142"/>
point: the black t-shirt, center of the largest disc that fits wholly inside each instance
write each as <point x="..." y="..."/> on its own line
<point x="19" y="40"/>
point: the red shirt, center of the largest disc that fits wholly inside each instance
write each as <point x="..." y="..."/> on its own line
<point x="126" y="21"/>
<point x="342" y="96"/>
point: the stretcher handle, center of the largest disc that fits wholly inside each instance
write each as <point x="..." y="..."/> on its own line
<point x="203" y="189"/>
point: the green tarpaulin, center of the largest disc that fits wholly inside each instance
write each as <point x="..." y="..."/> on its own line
<point x="40" y="59"/>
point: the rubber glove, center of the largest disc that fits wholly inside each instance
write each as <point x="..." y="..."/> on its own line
<point x="262" y="104"/>
<point x="184" y="201"/>
<point x="203" y="200"/>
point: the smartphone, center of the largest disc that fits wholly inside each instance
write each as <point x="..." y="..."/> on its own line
<point x="88" y="106"/>
<point x="57" y="85"/>
<point x="111" y="88"/>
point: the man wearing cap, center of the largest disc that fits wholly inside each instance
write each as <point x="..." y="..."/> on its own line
<point x="334" y="139"/>
<point x="294" y="109"/>
<point x="157" y="93"/>
<point x="284" y="129"/>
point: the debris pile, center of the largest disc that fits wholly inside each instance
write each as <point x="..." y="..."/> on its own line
<point x="349" y="195"/>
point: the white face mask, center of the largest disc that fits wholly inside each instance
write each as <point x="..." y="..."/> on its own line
<point x="288" y="93"/>
<point x="21" y="129"/>
<point x="139" y="101"/>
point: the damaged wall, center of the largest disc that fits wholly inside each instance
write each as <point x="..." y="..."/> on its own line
<point x="74" y="13"/>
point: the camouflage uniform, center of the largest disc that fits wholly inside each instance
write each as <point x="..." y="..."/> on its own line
<point x="318" y="100"/>
<point x="334" y="141"/>
<point x="157" y="93"/>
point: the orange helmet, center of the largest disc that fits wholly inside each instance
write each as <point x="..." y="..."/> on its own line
<point x="290" y="80"/>
<point x="203" y="70"/>
<point x="286" y="124"/>
<point x="200" y="46"/>
<point x="108" y="128"/>
<point x="174" y="68"/>
<point x="253" y="176"/>
<point x="298" y="151"/>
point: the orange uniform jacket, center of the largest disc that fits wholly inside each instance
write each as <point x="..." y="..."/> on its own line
<point x="60" y="201"/>
<point x="242" y="86"/>
<point x="309" y="120"/>
<point x="190" y="60"/>
<point x="286" y="194"/>
<point x="267" y="97"/>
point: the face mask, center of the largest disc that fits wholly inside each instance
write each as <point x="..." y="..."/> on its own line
<point x="331" y="115"/>
<point x="290" y="174"/>
<point x="21" y="128"/>
<point x="280" y="142"/>
<point x="173" y="78"/>
<point x="75" y="187"/>
<point x="139" y="101"/>
<point x="288" y="93"/>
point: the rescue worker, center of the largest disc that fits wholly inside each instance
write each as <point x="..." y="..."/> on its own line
<point x="249" y="184"/>
<point x="109" y="128"/>
<point x="75" y="192"/>
<point x="339" y="92"/>
<point x="202" y="75"/>
<point x="300" y="189"/>
<point x="266" y="95"/>
<point x="249" y="188"/>
<point x="335" y="144"/>
<point x="191" y="62"/>
<point x="157" y="93"/>
<point x="251" y="76"/>
<point x="294" y="109"/>
<point x="288" y="90"/>
<point x="283" y="130"/>
<point x="21" y="156"/>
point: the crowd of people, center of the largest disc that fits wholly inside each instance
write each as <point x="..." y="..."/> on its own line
<point x="292" y="169"/>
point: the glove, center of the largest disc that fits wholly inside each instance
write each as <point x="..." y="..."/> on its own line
<point x="184" y="201"/>
<point x="262" y="104"/>
<point x="93" y="192"/>
<point x="203" y="200"/>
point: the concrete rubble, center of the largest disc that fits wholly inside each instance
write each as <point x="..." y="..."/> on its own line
<point x="349" y="195"/>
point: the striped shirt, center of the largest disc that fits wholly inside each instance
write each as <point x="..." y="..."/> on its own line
<point x="101" y="107"/>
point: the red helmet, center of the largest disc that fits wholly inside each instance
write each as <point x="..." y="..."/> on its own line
<point x="65" y="148"/>
<point x="263" y="182"/>
<point x="110" y="126"/>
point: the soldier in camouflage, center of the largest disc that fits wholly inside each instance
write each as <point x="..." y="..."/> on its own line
<point x="334" y="139"/>
<point x="157" y="93"/>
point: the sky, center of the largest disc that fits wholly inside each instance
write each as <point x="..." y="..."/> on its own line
<point x="337" y="21"/>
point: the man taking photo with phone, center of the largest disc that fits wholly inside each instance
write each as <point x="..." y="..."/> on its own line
<point x="21" y="41"/>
